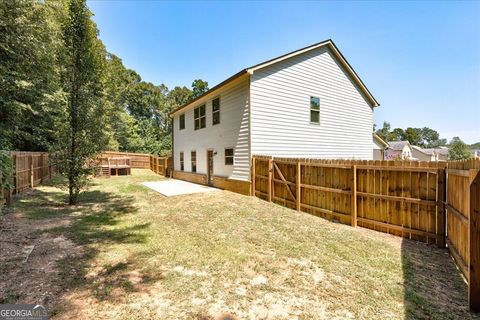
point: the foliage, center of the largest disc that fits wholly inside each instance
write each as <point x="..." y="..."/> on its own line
<point x="6" y="171"/>
<point x="29" y="73"/>
<point x="458" y="150"/>
<point x="199" y="87"/>
<point x="422" y="137"/>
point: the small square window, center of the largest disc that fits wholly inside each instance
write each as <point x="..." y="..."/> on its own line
<point x="314" y="110"/>
<point x="216" y="111"/>
<point x="182" y="121"/>
<point x="199" y="117"/>
<point x="229" y="156"/>
<point x="193" y="156"/>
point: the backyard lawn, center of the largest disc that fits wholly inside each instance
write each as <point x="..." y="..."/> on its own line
<point x="127" y="252"/>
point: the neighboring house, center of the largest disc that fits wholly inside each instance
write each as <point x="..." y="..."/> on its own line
<point x="379" y="146"/>
<point x="307" y="103"/>
<point x="430" y="154"/>
<point x="398" y="150"/>
<point x="476" y="153"/>
<point x="423" y="154"/>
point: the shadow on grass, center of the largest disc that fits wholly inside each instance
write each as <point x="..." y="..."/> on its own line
<point x="433" y="286"/>
<point x="97" y="221"/>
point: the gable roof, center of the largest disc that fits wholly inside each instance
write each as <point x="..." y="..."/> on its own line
<point x="250" y="70"/>
<point x="398" y="145"/>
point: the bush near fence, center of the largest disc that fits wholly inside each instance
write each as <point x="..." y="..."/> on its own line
<point x="406" y="198"/>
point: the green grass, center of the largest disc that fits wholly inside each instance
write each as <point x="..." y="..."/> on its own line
<point x="199" y="256"/>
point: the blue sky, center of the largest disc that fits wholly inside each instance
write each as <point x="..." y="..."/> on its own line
<point x="421" y="60"/>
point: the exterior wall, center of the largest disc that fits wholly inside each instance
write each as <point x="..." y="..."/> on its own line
<point x="280" y="97"/>
<point x="378" y="150"/>
<point x="422" y="156"/>
<point x="231" y="132"/>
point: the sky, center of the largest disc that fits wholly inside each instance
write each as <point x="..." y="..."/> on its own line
<point x="421" y="60"/>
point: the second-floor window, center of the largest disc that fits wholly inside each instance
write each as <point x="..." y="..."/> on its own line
<point x="193" y="156"/>
<point x="216" y="111"/>
<point x="199" y="117"/>
<point x="314" y="110"/>
<point x="181" y="162"/>
<point x="182" y="121"/>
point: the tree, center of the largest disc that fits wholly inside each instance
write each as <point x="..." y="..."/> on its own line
<point x="81" y="126"/>
<point x="199" y="87"/>
<point x="28" y="73"/>
<point x="458" y="150"/>
<point x="422" y="137"/>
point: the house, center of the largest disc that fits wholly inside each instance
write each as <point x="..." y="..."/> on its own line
<point x="307" y="103"/>
<point x="398" y="150"/>
<point x="430" y="154"/>
<point x="379" y="146"/>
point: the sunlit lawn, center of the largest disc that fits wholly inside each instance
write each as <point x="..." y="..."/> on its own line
<point x="211" y="255"/>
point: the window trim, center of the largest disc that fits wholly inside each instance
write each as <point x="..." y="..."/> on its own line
<point x="232" y="156"/>
<point x="192" y="161"/>
<point x="182" y="161"/>
<point x="180" y="121"/>
<point x="314" y="110"/>
<point x="200" y="117"/>
<point x="213" y="112"/>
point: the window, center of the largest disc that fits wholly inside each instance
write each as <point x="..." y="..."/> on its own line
<point x="181" y="162"/>
<point x="228" y="156"/>
<point x="182" y="121"/>
<point x="193" y="157"/>
<point x="216" y="111"/>
<point x="199" y="117"/>
<point x="314" y="110"/>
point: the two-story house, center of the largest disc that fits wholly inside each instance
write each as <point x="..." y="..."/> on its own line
<point x="309" y="103"/>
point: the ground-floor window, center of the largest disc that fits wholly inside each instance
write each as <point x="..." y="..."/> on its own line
<point x="181" y="162"/>
<point x="194" y="161"/>
<point x="228" y="156"/>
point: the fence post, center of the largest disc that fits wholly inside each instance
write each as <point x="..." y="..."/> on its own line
<point x="354" y="196"/>
<point x="253" y="176"/>
<point x="299" y="186"/>
<point x="165" y="165"/>
<point x="270" y="176"/>
<point x="441" y="224"/>
<point x="30" y="158"/>
<point x="15" y="183"/>
<point x="474" y="230"/>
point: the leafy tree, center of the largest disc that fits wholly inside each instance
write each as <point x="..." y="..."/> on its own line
<point x="458" y="150"/>
<point x="199" y="87"/>
<point x="423" y="137"/>
<point x="81" y="133"/>
<point x="28" y="73"/>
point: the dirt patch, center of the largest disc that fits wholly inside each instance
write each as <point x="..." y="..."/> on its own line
<point x="29" y="258"/>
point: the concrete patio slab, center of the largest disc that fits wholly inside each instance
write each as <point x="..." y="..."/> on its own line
<point x="173" y="187"/>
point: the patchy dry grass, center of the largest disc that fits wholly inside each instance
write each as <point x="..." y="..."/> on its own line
<point x="129" y="253"/>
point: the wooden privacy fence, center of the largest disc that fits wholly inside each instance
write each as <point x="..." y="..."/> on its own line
<point x="161" y="165"/>
<point x="463" y="222"/>
<point x="397" y="197"/>
<point x="30" y="169"/>
<point x="410" y="199"/>
<point x="137" y="160"/>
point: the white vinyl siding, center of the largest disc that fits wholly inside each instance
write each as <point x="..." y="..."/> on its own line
<point x="280" y="98"/>
<point x="231" y="132"/>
